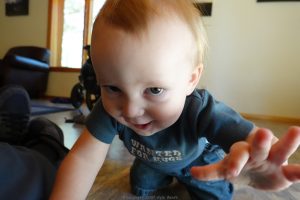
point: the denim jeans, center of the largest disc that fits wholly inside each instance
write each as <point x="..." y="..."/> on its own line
<point x="146" y="180"/>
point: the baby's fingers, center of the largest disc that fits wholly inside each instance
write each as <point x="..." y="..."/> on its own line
<point x="285" y="147"/>
<point x="292" y="172"/>
<point x="208" y="172"/>
<point x="228" y="168"/>
<point x="236" y="160"/>
<point x="261" y="145"/>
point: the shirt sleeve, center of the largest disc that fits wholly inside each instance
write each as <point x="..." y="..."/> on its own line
<point x="101" y="124"/>
<point x="219" y="123"/>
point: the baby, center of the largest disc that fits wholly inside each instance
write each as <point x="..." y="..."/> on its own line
<point x="148" y="59"/>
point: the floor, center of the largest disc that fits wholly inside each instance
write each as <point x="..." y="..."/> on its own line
<point x="112" y="181"/>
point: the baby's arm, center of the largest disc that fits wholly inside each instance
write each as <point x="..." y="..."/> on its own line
<point x="78" y="170"/>
<point x="261" y="161"/>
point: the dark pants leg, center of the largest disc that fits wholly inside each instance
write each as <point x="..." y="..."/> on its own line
<point x="47" y="138"/>
<point x="50" y="148"/>
<point x="24" y="173"/>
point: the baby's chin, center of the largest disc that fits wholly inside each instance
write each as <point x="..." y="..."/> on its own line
<point x="145" y="134"/>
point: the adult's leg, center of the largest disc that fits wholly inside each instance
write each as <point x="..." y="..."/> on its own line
<point x="24" y="173"/>
<point x="42" y="135"/>
<point x="145" y="180"/>
<point x="47" y="138"/>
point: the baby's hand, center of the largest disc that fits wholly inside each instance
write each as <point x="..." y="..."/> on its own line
<point x="261" y="161"/>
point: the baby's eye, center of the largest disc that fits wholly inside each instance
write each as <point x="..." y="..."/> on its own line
<point x="112" y="89"/>
<point x="155" y="91"/>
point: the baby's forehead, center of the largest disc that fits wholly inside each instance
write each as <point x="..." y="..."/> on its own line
<point x="155" y="54"/>
<point x="160" y="36"/>
<point x="169" y="26"/>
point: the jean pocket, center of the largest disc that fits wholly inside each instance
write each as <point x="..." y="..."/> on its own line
<point x="212" y="154"/>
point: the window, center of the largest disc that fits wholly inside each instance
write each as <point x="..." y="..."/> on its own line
<point x="70" y="25"/>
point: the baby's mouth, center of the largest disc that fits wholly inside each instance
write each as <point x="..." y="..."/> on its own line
<point x="142" y="126"/>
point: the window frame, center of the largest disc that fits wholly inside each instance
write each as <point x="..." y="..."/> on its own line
<point x="55" y="31"/>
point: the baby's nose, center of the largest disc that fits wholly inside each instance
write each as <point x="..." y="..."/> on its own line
<point x="132" y="109"/>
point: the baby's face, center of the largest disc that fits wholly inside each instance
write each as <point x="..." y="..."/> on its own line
<point x="145" y="80"/>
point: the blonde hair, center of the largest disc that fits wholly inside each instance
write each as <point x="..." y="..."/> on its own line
<point x="134" y="16"/>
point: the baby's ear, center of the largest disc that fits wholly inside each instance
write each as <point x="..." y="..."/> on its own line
<point x="195" y="77"/>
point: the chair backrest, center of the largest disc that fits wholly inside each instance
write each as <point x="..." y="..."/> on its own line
<point x="27" y="66"/>
<point x="37" y="53"/>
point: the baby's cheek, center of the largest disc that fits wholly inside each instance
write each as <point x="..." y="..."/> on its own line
<point x="111" y="109"/>
<point x="165" y="115"/>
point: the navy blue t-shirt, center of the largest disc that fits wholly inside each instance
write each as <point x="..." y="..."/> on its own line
<point x="202" y="119"/>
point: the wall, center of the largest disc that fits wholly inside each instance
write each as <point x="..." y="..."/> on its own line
<point x="61" y="83"/>
<point x="24" y="30"/>
<point x="254" y="57"/>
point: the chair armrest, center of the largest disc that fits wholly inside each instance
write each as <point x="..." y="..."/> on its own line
<point x="25" y="63"/>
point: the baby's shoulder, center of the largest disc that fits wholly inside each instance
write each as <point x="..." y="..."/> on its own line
<point x="199" y="97"/>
